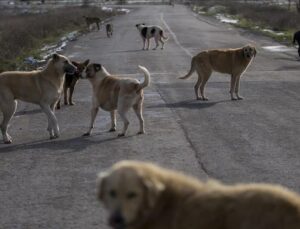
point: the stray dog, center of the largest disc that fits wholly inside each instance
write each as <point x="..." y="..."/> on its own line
<point x="147" y="32"/>
<point x="141" y="195"/>
<point x="109" y="30"/>
<point x="91" y="20"/>
<point x="297" y="38"/>
<point x="229" y="61"/>
<point x="113" y="93"/>
<point x="42" y="87"/>
<point x="70" y="82"/>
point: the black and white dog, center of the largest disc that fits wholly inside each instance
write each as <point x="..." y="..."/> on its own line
<point x="297" y="38"/>
<point x="151" y="31"/>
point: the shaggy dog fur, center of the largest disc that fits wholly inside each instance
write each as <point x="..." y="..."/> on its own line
<point x="140" y="195"/>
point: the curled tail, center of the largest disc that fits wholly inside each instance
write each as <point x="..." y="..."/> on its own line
<point x="147" y="78"/>
<point x="161" y="33"/>
<point x="193" y="63"/>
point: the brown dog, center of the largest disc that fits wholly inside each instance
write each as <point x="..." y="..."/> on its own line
<point x="144" y="196"/>
<point x="70" y="82"/>
<point x="113" y="93"/>
<point x="91" y="20"/>
<point x="229" y="61"/>
<point x="42" y="87"/>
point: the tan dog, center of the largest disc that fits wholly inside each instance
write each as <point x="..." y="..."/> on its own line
<point x="113" y="93"/>
<point x="42" y="87"/>
<point x="144" y="196"/>
<point x="229" y="61"/>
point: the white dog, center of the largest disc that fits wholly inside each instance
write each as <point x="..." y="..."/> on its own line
<point x="150" y="31"/>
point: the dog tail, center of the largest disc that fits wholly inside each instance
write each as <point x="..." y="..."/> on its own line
<point x="161" y="33"/>
<point x="193" y="64"/>
<point x="147" y="78"/>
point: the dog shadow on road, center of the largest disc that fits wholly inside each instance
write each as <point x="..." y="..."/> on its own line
<point x="135" y="50"/>
<point x="69" y="145"/>
<point x="189" y="104"/>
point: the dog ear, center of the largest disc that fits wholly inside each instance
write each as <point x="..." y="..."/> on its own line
<point x="101" y="182"/>
<point x="97" y="67"/>
<point x="85" y="63"/>
<point x="55" y="57"/>
<point x="154" y="188"/>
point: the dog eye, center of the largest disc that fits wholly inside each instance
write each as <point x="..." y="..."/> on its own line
<point x="131" y="195"/>
<point x="112" y="194"/>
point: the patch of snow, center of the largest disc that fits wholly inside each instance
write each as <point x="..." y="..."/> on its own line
<point x="126" y="11"/>
<point x="278" y="48"/>
<point x="273" y="32"/>
<point x="107" y="9"/>
<point x="226" y="19"/>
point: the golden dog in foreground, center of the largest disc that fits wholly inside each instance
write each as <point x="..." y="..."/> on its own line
<point x="229" y="61"/>
<point x="144" y="196"/>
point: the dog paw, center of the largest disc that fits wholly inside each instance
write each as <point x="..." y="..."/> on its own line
<point x="112" y="129"/>
<point x="53" y="137"/>
<point x="86" y="134"/>
<point x="205" y="99"/>
<point x="141" y="132"/>
<point x="9" y="141"/>
<point x="121" y="135"/>
<point x="240" y="98"/>
<point x="234" y="99"/>
<point x="72" y="103"/>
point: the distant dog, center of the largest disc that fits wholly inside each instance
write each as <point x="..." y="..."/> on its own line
<point x="112" y="93"/>
<point x="151" y="31"/>
<point x="70" y="82"/>
<point x="229" y="61"/>
<point x="109" y="30"/>
<point x="141" y="195"/>
<point x="42" y="87"/>
<point x="92" y="20"/>
<point x="297" y="38"/>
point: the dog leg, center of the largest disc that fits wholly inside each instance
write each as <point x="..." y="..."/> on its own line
<point x="123" y="107"/>
<point x="94" y="112"/>
<point x="144" y="43"/>
<point x="49" y="128"/>
<point x="113" y="121"/>
<point x="71" y="90"/>
<point x="205" y="78"/>
<point x="8" y="112"/>
<point x="196" y="87"/>
<point x="53" y="124"/>
<point x="157" y="44"/>
<point x="237" y="87"/>
<point x="65" y="95"/>
<point x="138" y="109"/>
<point x="232" y="86"/>
<point x="162" y="42"/>
<point x="148" y="43"/>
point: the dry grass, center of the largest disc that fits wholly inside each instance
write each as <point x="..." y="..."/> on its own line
<point x="23" y="35"/>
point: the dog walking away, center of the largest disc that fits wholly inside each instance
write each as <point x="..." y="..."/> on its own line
<point x="141" y="195"/>
<point x="109" y="30"/>
<point x="297" y="38"/>
<point x="70" y="82"/>
<point x="152" y="31"/>
<point x="229" y="61"/>
<point x="112" y="93"/>
<point x="42" y="87"/>
<point x="92" y="20"/>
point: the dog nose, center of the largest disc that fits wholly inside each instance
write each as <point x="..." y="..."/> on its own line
<point x="116" y="219"/>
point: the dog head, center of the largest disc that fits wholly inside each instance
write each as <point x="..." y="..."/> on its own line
<point x="80" y="68"/>
<point x="62" y="64"/>
<point x="128" y="192"/>
<point x="249" y="51"/>
<point x="92" y="70"/>
<point x="140" y="25"/>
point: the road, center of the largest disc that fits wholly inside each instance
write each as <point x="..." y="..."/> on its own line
<point x="51" y="184"/>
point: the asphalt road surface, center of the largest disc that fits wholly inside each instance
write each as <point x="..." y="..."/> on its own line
<point x="51" y="184"/>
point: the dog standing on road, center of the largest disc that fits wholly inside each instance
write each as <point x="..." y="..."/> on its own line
<point x="113" y="93"/>
<point x="70" y="82"/>
<point x="152" y="31"/>
<point x="109" y="30"/>
<point x="141" y="195"/>
<point x="42" y="87"/>
<point x="228" y="61"/>
<point x="91" y="20"/>
<point x="297" y="38"/>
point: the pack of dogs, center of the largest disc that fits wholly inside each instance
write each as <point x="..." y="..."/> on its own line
<point x="141" y="195"/>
